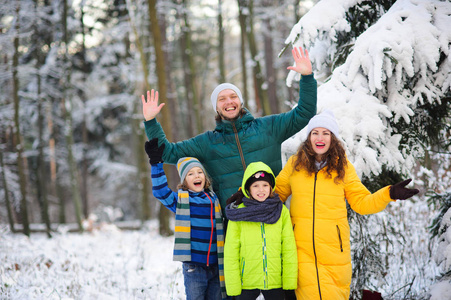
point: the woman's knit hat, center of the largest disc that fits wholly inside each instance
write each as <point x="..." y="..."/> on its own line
<point x="220" y="88"/>
<point x="327" y="120"/>
<point x="185" y="164"/>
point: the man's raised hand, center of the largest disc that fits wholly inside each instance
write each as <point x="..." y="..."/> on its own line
<point x="150" y="107"/>
<point x="302" y="60"/>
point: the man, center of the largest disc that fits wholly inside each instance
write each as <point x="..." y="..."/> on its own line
<point x="238" y="139"/>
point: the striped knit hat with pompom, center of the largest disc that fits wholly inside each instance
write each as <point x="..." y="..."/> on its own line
<point x="187" y="163"/>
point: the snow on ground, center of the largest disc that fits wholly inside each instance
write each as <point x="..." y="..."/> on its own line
<point x="109" y="263"/>
<point x="105" y="264"/>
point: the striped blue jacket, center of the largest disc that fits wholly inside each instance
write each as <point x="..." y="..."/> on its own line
<point x="202" y="217"/>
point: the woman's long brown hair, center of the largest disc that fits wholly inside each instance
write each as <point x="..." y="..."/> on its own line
<point x="335" y="157"/>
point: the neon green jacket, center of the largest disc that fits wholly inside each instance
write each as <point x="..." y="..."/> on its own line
<point x="226" y="151"/>
<point x="258" y="255"/>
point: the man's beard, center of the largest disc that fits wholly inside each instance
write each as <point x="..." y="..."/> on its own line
<point x="231" y="119"/>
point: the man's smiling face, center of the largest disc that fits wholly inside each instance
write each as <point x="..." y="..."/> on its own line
<point x="228" y="105"/>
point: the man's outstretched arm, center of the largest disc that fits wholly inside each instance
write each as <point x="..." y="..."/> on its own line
<point x="173" y="151"/>
<point x="287" y="124"/>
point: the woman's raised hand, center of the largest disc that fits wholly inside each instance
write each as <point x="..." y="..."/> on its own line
<point x="150" y="107"/>
<point x="302" y="60"/>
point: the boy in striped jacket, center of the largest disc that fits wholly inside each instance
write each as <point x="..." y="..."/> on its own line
<point x="199" y="236"/>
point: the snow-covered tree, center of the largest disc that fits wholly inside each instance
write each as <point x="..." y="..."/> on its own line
<point x="384" y="69"/>
<point x="106" y="97"/>
<point x="389" y="73"/>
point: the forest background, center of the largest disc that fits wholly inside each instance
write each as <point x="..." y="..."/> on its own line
<point x="72" y="136"/>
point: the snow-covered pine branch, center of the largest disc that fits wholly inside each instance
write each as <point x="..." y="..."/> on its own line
<point x="399" y="63"/>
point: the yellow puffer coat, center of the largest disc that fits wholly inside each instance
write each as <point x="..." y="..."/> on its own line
<point x="321" y="229"/>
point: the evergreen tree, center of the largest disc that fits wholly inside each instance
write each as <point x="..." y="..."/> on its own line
<point x="384" y="67"/>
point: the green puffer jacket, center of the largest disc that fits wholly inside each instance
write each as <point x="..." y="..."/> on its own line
<point x="243" y="259"/>
<point x="226" y="151"/>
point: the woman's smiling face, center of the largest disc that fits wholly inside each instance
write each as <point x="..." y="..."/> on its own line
<point x="195" y="179"/>
<point x="320" y="140"/>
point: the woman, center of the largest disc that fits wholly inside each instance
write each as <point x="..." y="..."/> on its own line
<point x="320" y="178"/>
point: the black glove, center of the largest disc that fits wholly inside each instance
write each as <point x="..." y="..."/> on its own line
<point x="237" y="198"/>
<point x="154" y="152"/>
<point x="398" y="190"/>
<point x="289" y="294"/>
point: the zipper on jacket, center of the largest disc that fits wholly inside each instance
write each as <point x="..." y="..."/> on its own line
<point x="239" y="146"/>
<point x="265" y="258"/>
<point x="313" y="237"/>
<point x="211" y="231"/>
<point x="242" y="269"/>
<point x="339" y="238"/>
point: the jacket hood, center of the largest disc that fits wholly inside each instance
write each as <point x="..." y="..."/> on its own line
<point x="251" y="170"/>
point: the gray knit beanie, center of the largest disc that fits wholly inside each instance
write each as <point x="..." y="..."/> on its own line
<point x="185" y="164"/>
<point x="327" y="120"/>
<point x="220" y="88"/>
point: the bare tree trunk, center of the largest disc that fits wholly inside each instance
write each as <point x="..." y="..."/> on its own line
<point x="67" y="110"/>
<point x="172" y="94"/>
<point x="84" y="160"/>
<point x="17" y="134"/>
<point x="296" y="11"/>
<point x="162" y="88"/>
<point x="41" y="173"/>
<point x="222" y="77"/>
<point x="190" y="72"/>
<point x="176" y="122"/>
<point x="54" y="184"/>
<point x="286" y="60"/>
<point x="296" y="20"/>
<point x="260" y="95"/>
<point x="6" y="190"/>
<point x="141" y="160"/>
<point x="271" y="74"/>
<point x="142" y="167"/>
<point x="242" y="19"/>
<point x="189" y="115"/>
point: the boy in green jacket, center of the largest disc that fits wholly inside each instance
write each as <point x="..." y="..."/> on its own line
<point x="260" y="250"/>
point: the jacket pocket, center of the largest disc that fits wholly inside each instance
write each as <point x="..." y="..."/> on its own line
<point x="339" y="238"/>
